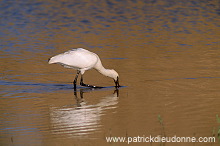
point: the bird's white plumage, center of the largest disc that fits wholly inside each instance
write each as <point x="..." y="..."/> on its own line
<point x="76" y="59"/>
<point x="82" y="60"/>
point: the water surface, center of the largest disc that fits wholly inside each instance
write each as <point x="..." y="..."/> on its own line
<point x="166" y="53"/>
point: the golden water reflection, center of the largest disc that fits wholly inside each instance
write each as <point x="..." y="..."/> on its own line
<point x="166" y="53"/>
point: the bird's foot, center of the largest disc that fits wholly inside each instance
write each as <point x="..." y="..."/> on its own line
<point x="90" y="86"/>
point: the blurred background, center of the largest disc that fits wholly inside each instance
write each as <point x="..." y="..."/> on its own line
<point x="166" y="52"/>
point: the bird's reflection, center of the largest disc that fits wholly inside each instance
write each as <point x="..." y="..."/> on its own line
<point x="82" y="118"/>
<point x="82" y="91"/>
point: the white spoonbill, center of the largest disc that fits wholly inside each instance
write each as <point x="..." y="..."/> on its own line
<point x="82" y="60"/>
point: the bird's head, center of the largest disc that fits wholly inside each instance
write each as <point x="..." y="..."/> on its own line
<point x="113" y="74"/>
<point x="117" y="82"/>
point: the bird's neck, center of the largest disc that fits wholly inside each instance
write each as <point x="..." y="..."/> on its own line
<point x="99" y="67"/>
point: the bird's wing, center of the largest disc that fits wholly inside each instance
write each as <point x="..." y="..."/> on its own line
<point x="77" y="58"/>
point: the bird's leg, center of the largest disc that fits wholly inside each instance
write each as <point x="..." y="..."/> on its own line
<point x="75" y="80"/>
<point x="87" y="85"/>
<point x="81" y="82"/>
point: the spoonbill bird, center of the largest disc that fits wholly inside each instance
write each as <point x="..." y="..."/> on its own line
<point x="82" y="60"/>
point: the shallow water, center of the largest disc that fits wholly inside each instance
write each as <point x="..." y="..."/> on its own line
<point x="166" y="52"/>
